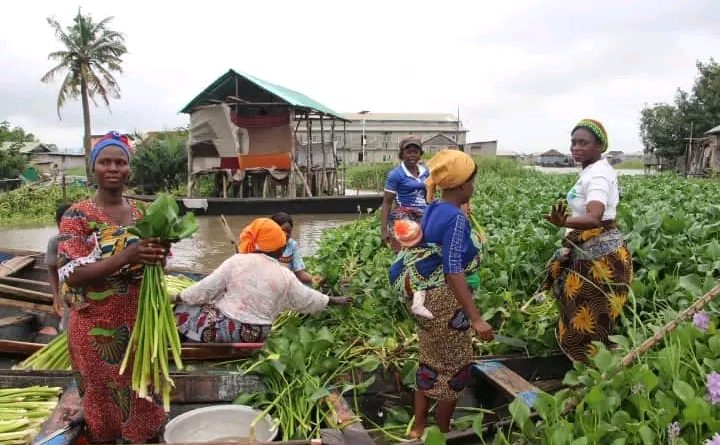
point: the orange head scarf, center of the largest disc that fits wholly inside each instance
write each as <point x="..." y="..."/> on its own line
<point x="261" y="235"/>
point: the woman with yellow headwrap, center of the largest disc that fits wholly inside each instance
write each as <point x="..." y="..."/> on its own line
<point x="239" y="301"/>
<point x="591" y="273"/>
<point x="439" y="264"/>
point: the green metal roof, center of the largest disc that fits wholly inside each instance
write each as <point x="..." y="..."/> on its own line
<point x="256" y="90"/>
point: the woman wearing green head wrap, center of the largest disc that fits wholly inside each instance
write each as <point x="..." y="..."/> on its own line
<point x="591" y="273"/>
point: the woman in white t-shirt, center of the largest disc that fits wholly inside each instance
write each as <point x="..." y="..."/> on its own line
<point x="591" y="273"/>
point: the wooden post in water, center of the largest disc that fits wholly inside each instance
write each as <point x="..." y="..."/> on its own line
<point x="321" y="184"/>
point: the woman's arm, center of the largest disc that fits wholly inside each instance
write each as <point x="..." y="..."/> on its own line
<point x="388" y="199"/>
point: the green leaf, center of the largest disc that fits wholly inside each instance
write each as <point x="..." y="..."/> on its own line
<point x="319" y="394"/>
<point x="603" y="360"/>
<point x="477" y="425"/>
<point x="519" y="412"/>
<point x="619" y="441"/>
<point x="691" y="283"/>
<point x="620" y="340"/>
<point x="714" y="344"/>
<point x="580" y="441"/>
<point x="595" y="397"/>
<point x="684" y="391"/>
<point x="696" y="410"/>
<point x="369" y="364"/>
<point x="647" y="435"/>
<point x="433" y="436"/>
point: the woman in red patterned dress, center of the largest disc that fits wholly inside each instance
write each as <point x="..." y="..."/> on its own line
<point x="100" y="265"/>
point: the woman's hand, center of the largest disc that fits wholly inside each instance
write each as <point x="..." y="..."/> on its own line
<point x="558" y="214"/>
<point x="483" y="329"/>
<point x="385" y="237"/>
<point x="340" y="301"/>
<point x="318" y="281"/>
<point x="147" y="251"/>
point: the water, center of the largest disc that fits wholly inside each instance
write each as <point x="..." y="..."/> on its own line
<point x="204" y="251"/>
<point x="576" y="170"/>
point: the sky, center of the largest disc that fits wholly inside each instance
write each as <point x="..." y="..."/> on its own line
<point x="521" y="71"/>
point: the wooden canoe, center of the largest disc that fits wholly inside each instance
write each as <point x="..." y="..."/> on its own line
<point x="496" y="381"/>
<point x="26" y="293"/>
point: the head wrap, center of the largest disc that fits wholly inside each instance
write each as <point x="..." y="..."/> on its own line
<point x="596" y="128"/>
<point x="448" y="169"/>
<point x="112" y="139"/>
<point x="261" y="235"/>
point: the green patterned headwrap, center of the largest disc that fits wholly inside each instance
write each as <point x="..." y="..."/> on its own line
<point x="596" y="128"/>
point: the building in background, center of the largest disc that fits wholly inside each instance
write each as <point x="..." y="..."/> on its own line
<point x="482" y="148"/>
<point x="383" y="131"/>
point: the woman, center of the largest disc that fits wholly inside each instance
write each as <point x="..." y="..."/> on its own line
<point x="239" y="301"/>
<point x="291" y="257"/>
<point x="405" y="186"/>
<point x="590" y="275"/>
<point x="100" y="264"/>
<point x="439" y="265"/>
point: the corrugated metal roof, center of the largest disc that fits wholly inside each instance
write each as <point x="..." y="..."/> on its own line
<point x="224" y="86"/>
<point x="25" y="147"/>
<point x="715" y="130"/>
<point x="402" y="117"/>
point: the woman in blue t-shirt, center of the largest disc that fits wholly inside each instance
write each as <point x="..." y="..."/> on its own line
<point x="439" y="264"/>
<point x="404" y="187"/>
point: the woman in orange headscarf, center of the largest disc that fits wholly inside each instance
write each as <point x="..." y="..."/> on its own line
<point x="239" y="301"/>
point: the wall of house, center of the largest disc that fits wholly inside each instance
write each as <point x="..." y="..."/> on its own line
<point x="44" y="161"/>
<point x="488" y="148"/>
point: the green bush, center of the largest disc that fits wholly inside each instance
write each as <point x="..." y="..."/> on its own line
<point x="35" y="203"/>
<point x="160" y="164"/>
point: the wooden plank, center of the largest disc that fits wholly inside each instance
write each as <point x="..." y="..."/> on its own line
<point x="45" y="308"/>
<point x="19" y="347"/>
<point x="17" y="319"/>
<point x="507" y="380"/>
<point x="16" y="280"/>
<point x="189" y="387"/>
<point x="26" y="294"/>
<point x="15" y="264"/>
<point x="66" y="416"/>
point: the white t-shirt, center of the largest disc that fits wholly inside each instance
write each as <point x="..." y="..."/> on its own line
<point x="597" y="182"/>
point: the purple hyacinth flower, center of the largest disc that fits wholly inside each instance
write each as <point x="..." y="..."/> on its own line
<point x="673" y="431"/>
<point x="715" y="440"/>
<point x="713" y="388"/>
<point x="702" y="321"/>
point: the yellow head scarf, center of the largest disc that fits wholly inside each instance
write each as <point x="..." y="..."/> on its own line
<point x="261" y="235"/>
<point x="448" y="169"/>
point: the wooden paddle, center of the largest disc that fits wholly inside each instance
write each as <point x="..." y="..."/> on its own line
<point x="228" y="232"/>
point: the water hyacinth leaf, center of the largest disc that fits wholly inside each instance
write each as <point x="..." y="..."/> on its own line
<point x="519" y="412"/>
<point x="319" y="394"/>
<point x="369" y="364"/>
<point x="647" y="435"/>
<point x="683" y="390"/>
<point x="620" y="340"/>
<point x="433" y="436"/>
<point x="619" y="441"/>
<point x="477" y="424"/>
<point x="714" y="344"/>
<point x="692" y="284"/>
<point x="580" y="441"/>
<point x="603" y="360"/>
<point x="696" y="410"/>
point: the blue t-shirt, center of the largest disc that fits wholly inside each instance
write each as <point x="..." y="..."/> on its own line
<point x="291" y="257"/>
<point x="409" y="190"/>
<point x="447" y="226"/>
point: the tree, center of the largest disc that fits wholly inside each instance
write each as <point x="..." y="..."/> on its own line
<point x="664" y="127"/>
<point x="14" y="134"/>
<point x="91" y="54"/>
<point x="661" y="130"/>
<point x="160" y="163"/>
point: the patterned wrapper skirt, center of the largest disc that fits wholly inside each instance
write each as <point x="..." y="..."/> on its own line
<point x="590" y="277"/>
<point x="399" y="213"/>
<point x="207" y="324"/>
<point x="445" y="347"/>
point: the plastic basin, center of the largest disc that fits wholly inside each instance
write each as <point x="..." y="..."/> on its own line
<point x="227" y="423"/>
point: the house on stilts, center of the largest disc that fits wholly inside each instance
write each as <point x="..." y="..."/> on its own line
<point x="243" y="133"/>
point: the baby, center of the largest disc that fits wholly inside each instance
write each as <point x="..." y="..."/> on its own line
<point x="409" y="234"/>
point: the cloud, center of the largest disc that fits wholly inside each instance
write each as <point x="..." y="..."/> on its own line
<point x="522" y="72"/>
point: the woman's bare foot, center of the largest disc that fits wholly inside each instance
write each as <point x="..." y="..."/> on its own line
<point x="417" y="433"/>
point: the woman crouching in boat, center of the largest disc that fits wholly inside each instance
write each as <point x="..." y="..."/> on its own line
<point x="239" y="301"/>
<point x="100" y="265"/>
<point x="439" y="264"/>
<point x="591" y="273"/>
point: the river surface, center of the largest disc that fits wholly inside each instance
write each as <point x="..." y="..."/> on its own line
<point x="204" y="251"/>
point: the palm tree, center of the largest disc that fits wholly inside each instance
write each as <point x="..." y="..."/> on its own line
<point x="91" y="53"/>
